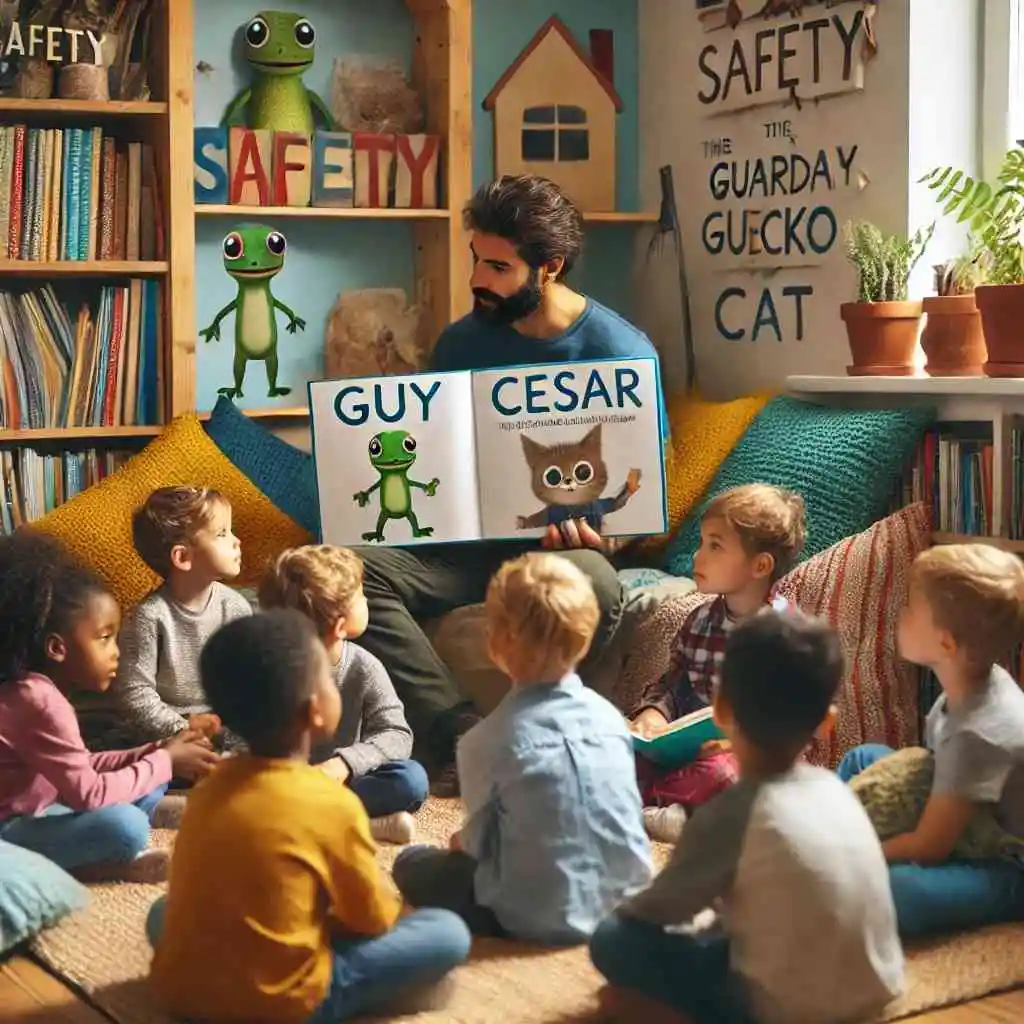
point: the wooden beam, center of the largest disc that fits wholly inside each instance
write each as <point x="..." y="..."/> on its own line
<point x="181" y="307"/>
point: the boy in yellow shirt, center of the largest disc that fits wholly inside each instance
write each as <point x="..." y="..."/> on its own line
<point x="277" y="910"/>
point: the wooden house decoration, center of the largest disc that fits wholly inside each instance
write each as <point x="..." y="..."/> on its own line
<point x="555" y="114"/>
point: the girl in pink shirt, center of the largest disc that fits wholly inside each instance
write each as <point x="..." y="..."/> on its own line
<point x="90" y="813"/>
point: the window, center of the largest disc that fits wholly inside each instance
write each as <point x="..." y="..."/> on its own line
<point x="1002" y="81"/>
<point x="553" y="134"/>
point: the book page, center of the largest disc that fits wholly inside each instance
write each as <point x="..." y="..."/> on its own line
<point x="570" y="441"/>
<point x="395" y="459"/>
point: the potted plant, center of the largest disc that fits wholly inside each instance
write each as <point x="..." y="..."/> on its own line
<point x="882" y="325"/>
<point x="953" y="339"/>
<point x="996" y="215"/>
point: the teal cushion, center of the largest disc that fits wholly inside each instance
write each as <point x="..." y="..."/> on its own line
<point x="280" y="470"/>
<point x="34" y="894"/>
<point x="845" y="463"/>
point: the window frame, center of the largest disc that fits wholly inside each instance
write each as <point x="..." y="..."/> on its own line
<point x="1002" y="81"/>
<point x="555" y="127"/>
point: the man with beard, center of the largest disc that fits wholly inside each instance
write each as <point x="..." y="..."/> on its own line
<point x="526" y="236"/>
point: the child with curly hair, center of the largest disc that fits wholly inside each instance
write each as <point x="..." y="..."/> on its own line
<point x="89" y="813"/>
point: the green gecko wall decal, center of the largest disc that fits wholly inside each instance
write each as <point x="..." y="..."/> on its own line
<point x="253" y="254"/>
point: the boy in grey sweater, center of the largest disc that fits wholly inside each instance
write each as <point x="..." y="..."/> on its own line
<point x="371" y="750"/>
<point x="788" y="855"/>
<point x="184" y="535"/>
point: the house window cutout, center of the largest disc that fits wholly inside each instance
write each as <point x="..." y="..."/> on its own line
<point x="548" y="137"/>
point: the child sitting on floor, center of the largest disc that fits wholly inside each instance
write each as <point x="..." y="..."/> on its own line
<point x="750" y="537"/>
<point x="277" y="909"/>
<point x="89" y="813"/>
<point x="184" y="535"/>
<point x="372" y="748"/>
<point x="965" y="609"/>
<point x="553" y="836"/>
<point x="808" y="929"/>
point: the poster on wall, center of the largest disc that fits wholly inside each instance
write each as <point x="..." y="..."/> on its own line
<point x="780" y="103"/>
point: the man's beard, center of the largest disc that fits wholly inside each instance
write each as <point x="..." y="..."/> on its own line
<point x="507" y="309"/>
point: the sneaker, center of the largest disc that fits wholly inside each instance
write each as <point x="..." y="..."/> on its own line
<point x="396" y="828"/>
<point x="446" y="783"/>
<point x="168" y="811"/>
<point x="665" y="824"/>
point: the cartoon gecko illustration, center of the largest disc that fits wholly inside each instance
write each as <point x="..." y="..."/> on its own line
<point x="253" y="254"/>
<point x="392" y="454"/>
<point x="279" y="49"/>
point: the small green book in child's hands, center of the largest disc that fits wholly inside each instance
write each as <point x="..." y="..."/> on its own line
<point x="681" y="742"/>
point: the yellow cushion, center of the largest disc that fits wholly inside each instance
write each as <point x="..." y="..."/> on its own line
<point x="703" y="435"/>
<point x="96" y="524"/>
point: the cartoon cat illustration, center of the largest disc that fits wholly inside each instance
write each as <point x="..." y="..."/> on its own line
<point x="569" y="478"/>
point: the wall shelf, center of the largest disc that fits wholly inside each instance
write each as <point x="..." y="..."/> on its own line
<point x="975" y="387"/>
<point x="316" y="212"/>
<point x="620" y="217"/>
<point x="83" y="268"/>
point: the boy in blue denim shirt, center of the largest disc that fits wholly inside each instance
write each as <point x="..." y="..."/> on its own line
<point x="553" y="837"/>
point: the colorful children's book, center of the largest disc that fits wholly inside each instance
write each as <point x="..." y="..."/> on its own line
<point x="681" y="742"/>
<point x="489" y="454"/>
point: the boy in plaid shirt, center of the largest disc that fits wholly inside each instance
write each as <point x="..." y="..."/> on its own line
<point x="750" y="537"/>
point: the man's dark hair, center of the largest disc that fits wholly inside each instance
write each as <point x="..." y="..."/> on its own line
<point x="532" y="213"/>
<point x="780" y="675"/>
<point x="258" y="672"/>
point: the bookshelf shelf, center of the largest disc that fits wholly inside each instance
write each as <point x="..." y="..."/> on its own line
<point x="80" y="108"/>
<point x="83" y="268"/>
<point x="76" y="434"/>
<point x="319" y="212"/>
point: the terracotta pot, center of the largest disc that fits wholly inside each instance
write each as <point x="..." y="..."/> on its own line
<point x="1002" y="317"/>
<point x="882" y="336"/>
<point x="952" y="339"/>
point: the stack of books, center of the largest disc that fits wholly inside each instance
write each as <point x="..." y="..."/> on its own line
<point x="99" y="368"/>
<point x="34" y="484"/>
<point x="77" y="194"/>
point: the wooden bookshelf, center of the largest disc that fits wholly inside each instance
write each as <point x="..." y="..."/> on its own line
<point x="997" y="402"/>
<point x="442" y="71"/>
<point x="152" y="122"/>
<point x="621" y="217"/>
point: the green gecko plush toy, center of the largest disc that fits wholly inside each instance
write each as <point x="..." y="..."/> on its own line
<point x="253" y="254"/>
<point x="279" y="49"/>
<point x="392" y="453"/>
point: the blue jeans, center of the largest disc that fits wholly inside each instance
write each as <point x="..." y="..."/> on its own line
<point x="395" y="786"/>
<point x="74" y="839"/>
<point x="955" y="896"/>
<point x="690" y="973"/>
<point x="370" y="974"/>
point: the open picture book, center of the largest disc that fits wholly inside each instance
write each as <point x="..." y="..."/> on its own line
<point x="489" y="454"/>
<point x="680" y="743"/>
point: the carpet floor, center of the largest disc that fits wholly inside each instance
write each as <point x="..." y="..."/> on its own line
<point x="102" y="951"/>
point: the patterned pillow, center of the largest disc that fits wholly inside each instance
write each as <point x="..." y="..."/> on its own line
<point x="96" y="524"/>
<point x="280" y="470"/>
<point x="859" y="586"/>
<point x="844" y="462"/>
<point x="703" y="434"/>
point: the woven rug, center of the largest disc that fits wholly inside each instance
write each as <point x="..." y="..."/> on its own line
<point x="102" y="951"/>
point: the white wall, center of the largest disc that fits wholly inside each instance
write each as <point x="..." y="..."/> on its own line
<point x="917" y="109"/>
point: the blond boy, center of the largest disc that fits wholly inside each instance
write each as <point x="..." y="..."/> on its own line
<point x="553" y="835"/>
<point x="184" y="535"/>
<point x="751" y="536"/>
<point x="371" y="750"/>
<point x="964" y="612"/>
